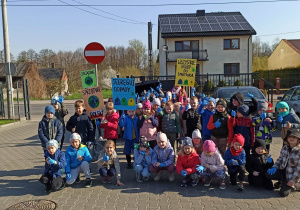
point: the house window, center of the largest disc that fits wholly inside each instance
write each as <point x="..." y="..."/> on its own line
<point x="231" y="68"/>
<point x="187" y="45"/>
<point x="231" y="44"/>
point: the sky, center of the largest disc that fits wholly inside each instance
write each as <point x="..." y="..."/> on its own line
<point x="68" y="28"/>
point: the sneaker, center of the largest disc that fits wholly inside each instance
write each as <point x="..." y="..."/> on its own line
<point x="63" y="184"/>
<point x="77" y="179"/>
<point x="240" y="186"/>
<point x="104" y="179"/>
<point x="109" y="179"/>
<point x="222" y="186"/>
<point x="207" y="182"/>
<point x="158" y="175"/>
<point x="48" y="189"/>
<point x="145" y="178"/>
<point x="128" y="166"/>
<point x="138" y="177"/>
<point x="88" y="182"/>
<point x="194" y="182"/>
<point x="184" y="183"/>
<point x="277" y="185"/>
<point x="171" y="177"/>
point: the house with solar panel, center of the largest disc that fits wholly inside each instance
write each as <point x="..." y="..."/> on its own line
<point x="220" y="41"/>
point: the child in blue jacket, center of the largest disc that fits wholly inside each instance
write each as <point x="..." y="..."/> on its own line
<point x="55" y="163"/>
<point x="77" y="158"/>
<point x="131" y="133"/>
<point x="142" y="160"/>
<point x="205" y="116"/>
<point x="235" y="159"/>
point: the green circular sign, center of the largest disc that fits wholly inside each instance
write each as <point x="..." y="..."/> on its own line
<point x="88" y="80"/>
<point x="93" y="101"/>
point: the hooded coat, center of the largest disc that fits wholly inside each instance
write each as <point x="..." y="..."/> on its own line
<point x="291" y="118"/>
<point x="187" y="162"/>
<point x="240" y="98"/>
<point x="193" y="120"/>
<point x="55" y="170"/>
<point x="72" y="157"/>
<point x="111" y="127"/>
<point x="241" y="158"/>
<point x="163" y="155"/>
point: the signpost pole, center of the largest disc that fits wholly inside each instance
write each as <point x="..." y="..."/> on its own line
<point x="96" y="72"/>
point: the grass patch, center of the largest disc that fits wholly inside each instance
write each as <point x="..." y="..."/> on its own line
<point x="3" y="122"/>
<point x="105" y="93"/>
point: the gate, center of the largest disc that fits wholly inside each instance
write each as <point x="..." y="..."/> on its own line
<point x="2" y="111"/>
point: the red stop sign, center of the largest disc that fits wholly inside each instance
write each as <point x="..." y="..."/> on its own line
<point x="94" y="53"/>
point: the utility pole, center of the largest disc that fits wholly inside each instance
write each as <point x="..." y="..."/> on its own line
<point x="10" y="102"/>
<point x="150" y="50"/>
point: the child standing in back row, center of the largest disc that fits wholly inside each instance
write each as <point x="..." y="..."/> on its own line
<point x="205" y="116"/>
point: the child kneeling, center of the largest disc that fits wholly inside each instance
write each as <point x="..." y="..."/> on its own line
<point x="109" y="164"/>
<point x="77" y="158"/>
<point x="55" y="163"/>
<point x="187" y="163"/>
<point x="213" y="162"/>
<point x="162" y="157"/>
<point x="142" y="159"/>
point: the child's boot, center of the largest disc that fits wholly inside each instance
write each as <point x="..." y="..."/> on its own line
<point x="48" y="188"/>
<point x="222" y="186"/>
<point x="88" y="182"/>
<point x="194" y="182"/>
<point x="171" y="177"/>
<point x="158" y="175"/>
<point x="139" y="177"/>
<point x="184" y="183"/>
<point x="207" y="182"/>
<point x="240" y="186"/>
<point x="128" y="158"/>
<point x="77" y="179"/>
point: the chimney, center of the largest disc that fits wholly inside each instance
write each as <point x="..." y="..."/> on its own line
<point x="200" y="13"/>
<point x="52" y="65"/>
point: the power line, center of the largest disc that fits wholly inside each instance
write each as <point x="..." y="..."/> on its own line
<point x="292" y="32"/>
<point x="153" y="5"/>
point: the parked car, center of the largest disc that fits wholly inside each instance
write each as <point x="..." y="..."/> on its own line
<point x="228" y="92"/>
<point x="292" y="98"/>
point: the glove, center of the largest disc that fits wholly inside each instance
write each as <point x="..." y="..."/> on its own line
<point x="204" y="103"/>
<point x="147" y="94"/>
<point x="250" y="95"/>
<point x="269" y="159"/>
<point x="187" y="107"/>
<point x="98" y="122"/>
<point x="60" y="99"/>
<point x="234" y="162"/>
<point x="105" y="158"/>
<point x="174" y="95"/>
<point x="142" y="152"/>
<point x="167" y="97"/>
<point x="203" y="95"/>
<point x="143" y="98"/>
<point x="51" y="161"/>
<point x="233" y="113"/>
<point x="200" y="168"/>
<point x="202" y="111"/>
<point x="263" y="115"/>
<point x="193" y="91"/>
<point x="183" y="173"/>
<point x="159" y="110"/>
<point x="151" y="90"/>
<point x="162" y="165"/>
<point x="68" y="176"/>
<point x="280" y="118"/>
<point x="272" y="170"/>
<point x="123" y="114"/>
<point x="156" y="94"/>
<point x="217" y="124"/>
<point x="181" y="108"/>
<point x="158" y="87"/>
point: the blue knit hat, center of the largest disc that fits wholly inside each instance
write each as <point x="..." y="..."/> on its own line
<point x="244" y="110"/>
<point x="187" y="141"/>
<point x="52" y="142"/>
<point x="49" y="108"/>
<point x="212" y="99"/>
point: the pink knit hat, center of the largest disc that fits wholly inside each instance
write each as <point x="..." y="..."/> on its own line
<point x="147" y="105"/>
<point x="209" y="146"/>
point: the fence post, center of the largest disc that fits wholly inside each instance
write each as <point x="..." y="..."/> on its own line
<point x="18" y="100"/>
<point x="25" y="98"/>
<point x="28" y="99"/>
<point x="207" y="84"/>
<point x="277" y="85"/>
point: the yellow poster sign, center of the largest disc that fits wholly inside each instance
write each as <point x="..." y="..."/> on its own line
<point x="185" y="72"/>
<point x="93" y="101"/>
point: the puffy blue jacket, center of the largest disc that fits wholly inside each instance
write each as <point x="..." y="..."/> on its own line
<point x="165" y="155"/>
<point x="72" y="156"/>
<point x="54" y="132"/>
<point x="205" y="116"/>
<point x="241" y="159"/>
<point x="144" y="160"/>
<point x="128" y="122"/>
<point x="55" y="170"/>
<point x="291" y="118"/>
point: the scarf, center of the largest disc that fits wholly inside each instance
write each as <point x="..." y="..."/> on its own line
<point x="235" y="152"/>
<point x="222" y="114"/>
<point x="51" y="130"/>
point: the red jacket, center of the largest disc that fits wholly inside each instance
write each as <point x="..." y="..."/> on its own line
<point x="187" y="162"/>
<point x="111" y="127"/>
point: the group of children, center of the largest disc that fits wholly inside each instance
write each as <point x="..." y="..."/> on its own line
<point x="167" y="136"/>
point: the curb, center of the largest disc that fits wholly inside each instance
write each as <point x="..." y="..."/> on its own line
<point x="22" y="120"/>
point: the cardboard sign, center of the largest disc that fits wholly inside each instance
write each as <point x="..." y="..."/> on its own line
<point x="185" y="72"/>
<point x="93" y="101"/>
<point x="88" y="78"/>
<point x="123" y="90"/>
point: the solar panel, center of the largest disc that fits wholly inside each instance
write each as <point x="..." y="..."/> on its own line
<point x="225" y="26"/>
<point x="183" y="20"/>
<point x="205" y="27"/>
<point x="166" y="28"/>
<point x="164" y="20"/>
<point x="240" y="18"/>
<point x="174" y="20"/>
<point x="246" y="26"/>
<point x="215" y="27"/>
<point x="202" y="20"/>
<point x="192" y="20"/>
<point x="211" y="19"/>
<point x="221" y="19"/>
<point x="230" y="19"/>
<point x="196" y="28"/>
<point x="176" y="28"/>
<point x="186" y="28"/>
<point x="236" y="26"/>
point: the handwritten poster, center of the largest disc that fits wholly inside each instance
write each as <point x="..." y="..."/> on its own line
<point x="93" y="101"/>
<point x="88" y="78"/>
<point x="123" y="90"/>
<point x="185" y="72"/>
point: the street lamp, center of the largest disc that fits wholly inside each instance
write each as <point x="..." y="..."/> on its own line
<point x="165" y="49"/>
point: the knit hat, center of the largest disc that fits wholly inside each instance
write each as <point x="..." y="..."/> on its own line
<point x="262" y="105"/>
<point x="52" y="142"/>
<point x="292" y="132"/>
<point x="147" y="105"/>
<point x="283" y="104"/>
<point x="139" y="106"/>
<point x="211" y="99"/>
<point x="143" y="142"/>
<point x="54" y="100"/>
<point x="156" y="101"/>
<point x="196" y="134"/>
<point x="187" y="141"/>
<point x="222" y="101"/>
<point x="259" y="143"/>
<point x="244" y="110"/>
<point x="161" y="95"/>
<point x="49" y="108"/>
<point x="161" y="137"/>
<point x="209" y="146"/>
<point x="239" y="97"/>
<point x="75" y="136"/>
<point x="164" y="100"/>
<point x="238" y="138"/>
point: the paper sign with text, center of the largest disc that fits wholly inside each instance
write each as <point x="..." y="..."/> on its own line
<point x="185" y="72"/>
<point x="88" y="78"/>
<point x="93" y="101"/>
<point x="123" y="90"/>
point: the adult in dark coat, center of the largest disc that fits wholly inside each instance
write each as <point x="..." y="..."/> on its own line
<point x="238" y="99"/>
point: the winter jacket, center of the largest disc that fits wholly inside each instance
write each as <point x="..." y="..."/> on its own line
<point x="147" y="127"/>
<point x="144" y="160"/>
<point x="55" y="170"/>
<point x="60" y="114"/>
<point x="258" y="163"/>
<point x="50" y="129"/>
<point x="263" y="129"/>
<point x="291" y="118"/>
<point x="128" y="123"/>
<point x="193" y="120"/>
<point x="179" y="116"/>
<point x="243" y="125"/>
<point x="205" y="116"/>
<point x="241" y="159"/>
<point x="72" y="156"/>
<point x="225" y="130"/>
<point x="163" y="155"/>
<point x="199" y="149"/>
<point x="214" y="161"/>
<point x="111" y="127"/>
<point x="240" y="97"/>
<point x="169" y="122"/>
<point x="187" y="162"/>
<point x="289" y="159"/>
<point x="84" y="126"/>
<point x="113" y="161"/>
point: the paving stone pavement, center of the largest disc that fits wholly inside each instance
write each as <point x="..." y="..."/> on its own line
<point x="21" y="165"/>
